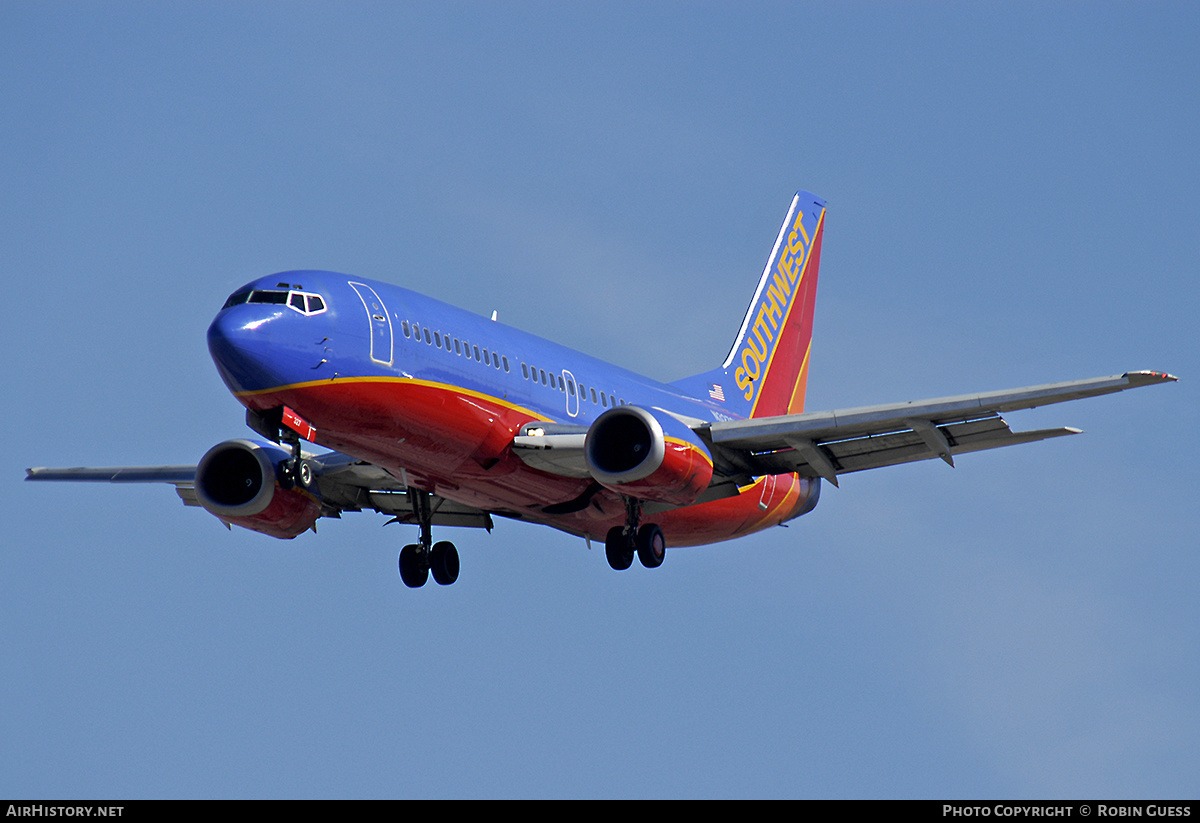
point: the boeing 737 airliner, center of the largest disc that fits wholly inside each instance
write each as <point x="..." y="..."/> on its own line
<point x="440" y="417"/>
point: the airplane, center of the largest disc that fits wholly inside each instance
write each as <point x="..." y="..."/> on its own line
<point x="440" y="417"/>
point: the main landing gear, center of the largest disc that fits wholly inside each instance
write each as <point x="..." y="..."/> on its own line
<point x="646" y="541"/>
<point x="419" y="560"/>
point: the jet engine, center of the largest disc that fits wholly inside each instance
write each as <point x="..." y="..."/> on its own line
<point x="647" y="454"/>
<point x="241" y="482"/>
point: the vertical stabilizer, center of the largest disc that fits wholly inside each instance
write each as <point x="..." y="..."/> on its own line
<point x="766" y="371"/>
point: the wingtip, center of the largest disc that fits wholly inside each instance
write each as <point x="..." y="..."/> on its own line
<point x="1147" y="378"/>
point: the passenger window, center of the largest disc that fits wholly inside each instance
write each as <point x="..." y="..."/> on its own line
<point x="437" y="339"/>
<point x="417" y="331"/>
<point x="495" y="360"/>
<point x="552" y="384"/>
<point x="604" y="400"/>
<point x="457" y="346"/>
<point x="570" y="388"/>
<point x="543" y="374"/>
<point x="427" y="340"/>
<point x="476" y="349"/>
<point x="525" y="371"/>
<point x="404" y="328"/>
<point x="505" y="359"/>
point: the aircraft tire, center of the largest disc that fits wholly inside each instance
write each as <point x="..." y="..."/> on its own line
<point x="443" y="563"/>
<point x="414" y="566"/>
<point x="618" y="549"/>
<point x="651" y="546"/>
<point x="304" y="474"/>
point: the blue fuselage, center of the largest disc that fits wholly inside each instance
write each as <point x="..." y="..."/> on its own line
<point x="435" y="395"/>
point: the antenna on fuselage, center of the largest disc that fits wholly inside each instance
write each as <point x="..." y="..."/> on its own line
<point x="493" y="315"/>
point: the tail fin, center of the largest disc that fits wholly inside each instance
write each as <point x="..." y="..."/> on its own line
<point x="766" y="372"/>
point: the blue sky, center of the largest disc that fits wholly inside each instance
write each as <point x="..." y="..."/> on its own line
<point x="1012" y="200"/>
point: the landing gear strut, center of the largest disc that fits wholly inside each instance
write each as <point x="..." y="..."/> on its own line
<point x="295" y="471"/>
<point x="418" y="560"/>
<point x="646" y="541"/>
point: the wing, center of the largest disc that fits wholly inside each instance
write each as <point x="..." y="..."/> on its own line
<point x="183" y="477"/>
<point x="349" y="484"/>
<point x="344" y="484"/>
<point x="826" y="444"/>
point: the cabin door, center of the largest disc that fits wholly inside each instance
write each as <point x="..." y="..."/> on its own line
<point x="572" y="392"/>
<point x="380" y="323"/>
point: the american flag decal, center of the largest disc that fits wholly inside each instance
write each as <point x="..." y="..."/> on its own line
<point x="716" y="392"/>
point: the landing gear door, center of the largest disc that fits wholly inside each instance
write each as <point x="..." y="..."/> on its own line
<point x="380" y="322"/>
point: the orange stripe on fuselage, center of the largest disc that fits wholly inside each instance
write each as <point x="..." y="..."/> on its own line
<point x="459" y="390"/>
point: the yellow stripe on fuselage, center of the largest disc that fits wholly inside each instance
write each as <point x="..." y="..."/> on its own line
<point x="409" y="381"/>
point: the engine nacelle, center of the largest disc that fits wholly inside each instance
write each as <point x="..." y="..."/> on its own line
<point x="239" y="481"/>
<point x="648" y="455"/>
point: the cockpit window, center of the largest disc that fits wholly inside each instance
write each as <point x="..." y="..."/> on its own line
<point x="303" y="302"/>
<point x="237" y="298"/>
<point x="264" y="296"/>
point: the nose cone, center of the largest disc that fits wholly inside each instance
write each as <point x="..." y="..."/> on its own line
<point x="240" y="341"/>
